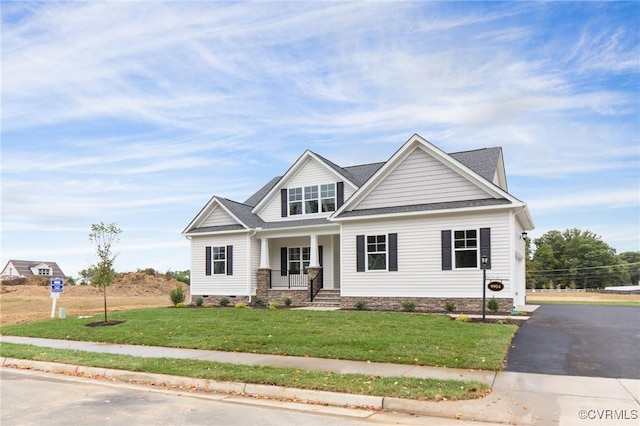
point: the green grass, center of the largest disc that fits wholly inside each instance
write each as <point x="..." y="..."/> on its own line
<point x="400" y="338"/>
<point x="587" y="302"/>
<point x="401" y="387"/>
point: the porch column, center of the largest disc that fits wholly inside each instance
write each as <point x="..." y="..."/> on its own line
<point x="313" y="261"/>
<point x="264" y="253"/>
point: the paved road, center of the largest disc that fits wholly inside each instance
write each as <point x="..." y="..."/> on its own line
<point x="35" y="398"/>
<point x="579" y="340"/>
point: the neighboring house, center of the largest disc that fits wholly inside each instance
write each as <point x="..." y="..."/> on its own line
<point x="27" y="268"/>
<point x="413" y="228"/>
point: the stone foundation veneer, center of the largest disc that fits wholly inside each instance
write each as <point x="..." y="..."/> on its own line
<point x="298" y="297"/>
<point x="426" y="304"/>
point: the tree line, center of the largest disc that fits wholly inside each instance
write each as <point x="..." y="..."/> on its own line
<point x="576" y="258"/>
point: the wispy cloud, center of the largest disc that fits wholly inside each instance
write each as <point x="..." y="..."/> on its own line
<point x="146" y="109"/>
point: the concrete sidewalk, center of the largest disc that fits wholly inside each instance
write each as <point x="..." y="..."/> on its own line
<point x="517" y="398"/>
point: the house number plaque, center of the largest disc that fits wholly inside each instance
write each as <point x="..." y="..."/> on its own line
<point x="495" y="286"/>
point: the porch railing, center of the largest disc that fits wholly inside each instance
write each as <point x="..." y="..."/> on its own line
<point x="278" y="280"/>
<point x="316" y="286"/>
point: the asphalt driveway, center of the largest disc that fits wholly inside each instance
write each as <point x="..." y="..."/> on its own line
<point x="579" y="340"/>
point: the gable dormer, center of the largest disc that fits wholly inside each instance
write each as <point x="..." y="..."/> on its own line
<point x="312" y="188"/>
<point x="42" y="269"/>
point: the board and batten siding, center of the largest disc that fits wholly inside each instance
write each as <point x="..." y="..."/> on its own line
<point x="215" y="285"/>
<point x="311" y="173"/>
<point x="420" y="271"/>
<point x="218" y="217"/>
<point x="421" y="179"/>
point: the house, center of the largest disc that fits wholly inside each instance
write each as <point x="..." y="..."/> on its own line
<point x="413" y="228"/>
<point x="27" y="268"/>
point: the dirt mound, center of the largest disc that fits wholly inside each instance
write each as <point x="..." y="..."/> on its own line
<point x="128" y="284"/>
<point x="144" y="284"/>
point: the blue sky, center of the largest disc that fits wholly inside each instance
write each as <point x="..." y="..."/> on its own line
<point x="138" y="112"/>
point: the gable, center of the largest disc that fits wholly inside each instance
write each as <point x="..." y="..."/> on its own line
<point x="420" y="178"/>
<point x="309" y="170"/>
<point x="218" y="217"/>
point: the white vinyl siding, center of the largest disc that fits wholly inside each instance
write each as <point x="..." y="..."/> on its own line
<point x="219" y="284"/>
<point x="312" y="173"/>
<point x="218" y="217"/>
<point x="420" y="271"/>
<point x="421" y="179"/>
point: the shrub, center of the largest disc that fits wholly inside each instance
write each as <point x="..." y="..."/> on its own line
<point x="224" y="302"/>
<point x="272" y="305"/>
<point x="463" y="318"/>
<point x="199" y="301"/>
<point x="361" y="305"/>
<point x="409" y="305"/>
<point x="177" y="295"/>
<point x="209" y="305"/>
<point x="258" y="302"/>
<point x="181" y="305"/>
<point x="493" y="304"/>
<point x="287" y="302"/>
<point x="241" y="305"/>
<point x="450" y="306"/>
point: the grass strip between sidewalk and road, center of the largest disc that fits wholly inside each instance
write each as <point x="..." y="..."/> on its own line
<point x="401" y="387"/>
<point x="394" y="337"/>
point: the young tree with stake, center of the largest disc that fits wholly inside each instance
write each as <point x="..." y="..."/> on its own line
<point x="104" y="237"/>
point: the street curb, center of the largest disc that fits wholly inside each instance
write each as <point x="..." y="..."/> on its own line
<point x="244" y="389"/>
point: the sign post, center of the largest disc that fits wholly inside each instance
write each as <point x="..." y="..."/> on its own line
<point x="57" y="287"/>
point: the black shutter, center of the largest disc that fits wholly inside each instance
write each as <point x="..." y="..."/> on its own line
<point x="283" y="261"/>
<point x="360" y="253"/>
<point x="485" y="245"/>
<point x="229" y="260"/>
<point x="393" y="252"/>
<point x="446" y="250"/>
<point x="207" y="260"/>
<point x="339" y="195"/>
<point x="284" y="203"/>
<point x="320" y="255"/>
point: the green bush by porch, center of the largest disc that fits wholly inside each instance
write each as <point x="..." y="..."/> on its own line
<point x="399" y="338"/>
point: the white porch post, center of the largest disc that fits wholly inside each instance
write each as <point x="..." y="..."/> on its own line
<point x="264" y="253"/>
<point x="313" y="261"/>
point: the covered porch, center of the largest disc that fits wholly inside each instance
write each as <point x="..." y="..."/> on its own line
<point x="297" y="265"/>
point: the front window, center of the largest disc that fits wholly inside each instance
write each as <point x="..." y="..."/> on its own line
<point x="219" y="259"/>
<point x="377" y="252"/>
<point x="328" y="197"/>
<point x="465" y="244"/>
<point x="44" y="271"/>
<point x="299" y="259"/>
<point x="312" y="199"/>
<point x="295" y="201"/>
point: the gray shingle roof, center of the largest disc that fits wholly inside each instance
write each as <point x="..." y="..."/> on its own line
<point x="482" y="161"/>
<point x="242" y="212"/>
<point x="426" y="207"/>
<point x="22" y="267"/>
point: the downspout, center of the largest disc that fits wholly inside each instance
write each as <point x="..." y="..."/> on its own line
<point x="251" y="234"/>
<point x="190" y="267"/>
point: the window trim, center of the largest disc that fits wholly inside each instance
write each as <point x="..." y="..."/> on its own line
<point x="303" y="195"/>
<point x="301" y="261"/>
<point x="221" y="252"/>
<point x="385" y="252"/>
<point x="455" y="250"/>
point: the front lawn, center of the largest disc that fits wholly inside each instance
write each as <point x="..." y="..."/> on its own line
<point x="401" y="338"/>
